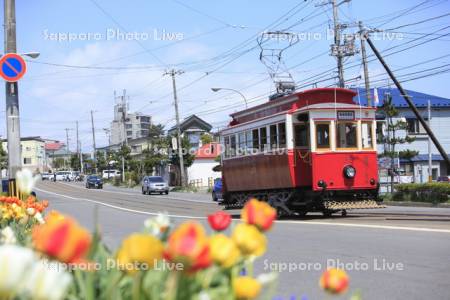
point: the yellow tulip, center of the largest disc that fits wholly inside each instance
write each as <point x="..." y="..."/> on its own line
<point x="246" y="288"/>
<point x="139" y="251"/>
<point x="224" y="251"/>
<point x="249" y="240"/>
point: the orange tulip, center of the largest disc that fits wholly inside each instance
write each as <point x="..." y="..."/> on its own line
<point x="189" y="245"/>
<point x="259" y="214"/>
<point x="334" y="281"/>
<point x="62" y="238"/>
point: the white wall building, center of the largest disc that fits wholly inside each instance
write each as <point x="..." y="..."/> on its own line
<point x="136" y="125"/>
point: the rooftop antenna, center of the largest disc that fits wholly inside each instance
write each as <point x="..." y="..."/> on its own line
<point x="273" y="44"/>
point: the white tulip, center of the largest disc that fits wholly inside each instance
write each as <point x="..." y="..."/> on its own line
<point x="26" y="181"/>
<point x="38" y="216"/>
<point x="157" y="225"/>
<point x="48" y="280"/>
<point x="7" y="236"/>
<point x="15" y="262"/>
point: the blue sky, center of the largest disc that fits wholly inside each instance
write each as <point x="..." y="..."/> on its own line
<point x="53" y="97"/>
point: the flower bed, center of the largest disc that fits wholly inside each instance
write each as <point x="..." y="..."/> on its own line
<point x="56" y="258"/>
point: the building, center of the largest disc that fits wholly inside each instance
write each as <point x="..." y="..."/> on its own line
<point x="193" y="127"/>
<point x="33" y="153"/>
<point x="136" y="125"/>
<point x="416" y="167"/>
<point x="201" y="173"/>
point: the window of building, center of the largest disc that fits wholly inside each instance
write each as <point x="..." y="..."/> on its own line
<point x="128" y="126"/>
<point x="129" y="133"/>
<point x="414" y="127"/>
<point x="263" y="143"/>
<point x="282" y="135"/>
<point x="323" y="135"/>
<point x="380" y="131"/>
<point x="233" y="145"/>
<point x="27" y="148"/>
<point x="27" y="160"/>
<point x="255" y="139"/>
<point x="366" y="135"/>
<point x="346" y="134"/>
<point x="273" y="136"/>
<point x="301" y="132"/>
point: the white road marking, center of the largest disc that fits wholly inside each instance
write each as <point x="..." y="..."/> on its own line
<point x="387" y="227"/>
<point x="134" y="194"/>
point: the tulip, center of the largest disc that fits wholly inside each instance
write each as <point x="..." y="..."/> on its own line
<point x="15" y="263"/>
<point x="334" y="281"/>
<point x="26" y="181"/>
<point x="48" y="281"/>
<point x="157" y="226"/>
<point x="259" y="214"/>
<point x="62" y="238"/>
<point x="249" y="240"/>
<point x="188" y="245"/>
<point x="224" y="251"/>
<point x="219" y="221"/>
<point x="7" y="236"/>
<point x="139" y="249"/>
<point x="246" y="288"/>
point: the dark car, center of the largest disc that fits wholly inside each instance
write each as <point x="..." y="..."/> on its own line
<point x="217" y="190"/>
<point x="154" y="184"/>
<point x="443" y="179"/>
<point x="93" y="181"/>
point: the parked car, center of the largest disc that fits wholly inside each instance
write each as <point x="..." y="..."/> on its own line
<point x="94" y="181"/>
<point x="217" y="190"/>
<point x="64" y="176"/>
<point x="47" y="176"/>
<point x="443" y="179"/>
<point x="154" y="184"/>
<point x="106" y="174"/>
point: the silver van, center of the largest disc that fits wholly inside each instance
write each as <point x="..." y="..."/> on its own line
<point x="154" y="184"/>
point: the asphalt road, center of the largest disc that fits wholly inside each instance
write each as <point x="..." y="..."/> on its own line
<point x="391" y="253"/>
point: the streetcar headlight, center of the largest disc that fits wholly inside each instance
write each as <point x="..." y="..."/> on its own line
<point x="349" y="172"/>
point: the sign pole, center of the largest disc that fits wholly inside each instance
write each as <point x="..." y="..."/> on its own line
<point x="12" y="101"/>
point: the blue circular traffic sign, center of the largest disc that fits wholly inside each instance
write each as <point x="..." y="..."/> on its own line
<point x="12" y="67"/>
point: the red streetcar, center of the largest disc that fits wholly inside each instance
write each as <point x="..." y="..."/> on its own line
<point x="308" y="151"/>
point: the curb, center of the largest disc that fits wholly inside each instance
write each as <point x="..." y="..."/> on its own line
<point x="416" y="204"/>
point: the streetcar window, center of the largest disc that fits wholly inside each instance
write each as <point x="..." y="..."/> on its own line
<point x="323" y="135"/>
<point x="273" y="136"/>
<point x="301" y="132"/>
<point x="255" y="140"/>
<point x="249" y="140"/>
<point x="346" y="135"/>
<point x="233" y="145"/>
<point x="282" y="135"/>
<point x="227" y="146"/>
<point x="263" y="145"/>
<point x="242" y="143"/>
<point x="366" y="135"/>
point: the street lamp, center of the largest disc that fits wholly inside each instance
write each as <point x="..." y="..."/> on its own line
<point x="32" y="54"/>
<point x="233" y="90"/>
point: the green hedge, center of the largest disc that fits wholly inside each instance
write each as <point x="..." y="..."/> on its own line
<point x="422" y="192"/>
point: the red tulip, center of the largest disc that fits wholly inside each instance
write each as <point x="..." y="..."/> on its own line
<point x="219" y="221"/>
<point x="334" y="281"/>
<point x="258" y="213"/>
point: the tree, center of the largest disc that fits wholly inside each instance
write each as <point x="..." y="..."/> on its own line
<point x="206" y="138"/>
<point x="155" y="131"/>
<point x="3" y="159"/>
<point x="58" y="163"/>
<point x="393" y="139"/>
<point x="75" y="162"/>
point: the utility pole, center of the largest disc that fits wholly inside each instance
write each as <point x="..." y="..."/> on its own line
<point x="430" y="157"/>
<point x="94" y="156"/>
<point x="337" y="44"/>
<point x="339" y="49"/>
<point x="12" y="100"/>
<point x="125" y="137"/>
<point x="362" y="38"/>
<point x="67" y="145"/>
<point x="79" y="151"/>
<point x="173" y="73"/>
